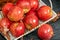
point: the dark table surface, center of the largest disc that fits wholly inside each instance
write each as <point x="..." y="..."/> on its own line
<point x="56" y="25"/>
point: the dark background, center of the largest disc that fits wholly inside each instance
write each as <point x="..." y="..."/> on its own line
<point x="56" y="25"/>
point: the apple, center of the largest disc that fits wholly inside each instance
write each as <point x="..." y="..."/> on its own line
<point x="24" y="4"/>
<point x="45" y="32"/>
<point x="31" y="12"/>
<point x="31" y="20"/>
<point x="44" y="13"/>
<point x="15" y="14"/>
<point x="34" y="4"/>
<point x="17" y="29"/>
<point x="6" y="8"/>
<point x="5" y="22"/>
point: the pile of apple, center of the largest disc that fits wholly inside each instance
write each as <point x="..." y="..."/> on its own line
<point x="24" y="14"/>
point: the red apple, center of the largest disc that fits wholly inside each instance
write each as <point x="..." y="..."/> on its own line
<point x="24" y="4"/>
<point x="17" y="29"/>
<point x="5" y="22"/>
<point x="45" y="31"/>
<point x="31" y="12"/>
<point x="6" y="8"/>
<point x="45" y="13"/>
<point x="16" y="14"/>
<point x="34" y="4"/>
<point x="31" y="21"/>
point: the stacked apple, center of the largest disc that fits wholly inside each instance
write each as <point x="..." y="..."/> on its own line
<point x="25" y="14"/>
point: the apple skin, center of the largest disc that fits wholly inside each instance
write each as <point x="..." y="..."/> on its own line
<point x="31" y="12"/>
<point x="5" y="22"/>
<point x="31" y="20"/>
<point x="45" y="31"/>
<point x="44" y="13"/>
<point x="15" y="14"/>
<point x="6" y="8"/>
<point x="34" y="4"/>
<point x="17" y="29"/>
<point x="24" y="4"/>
